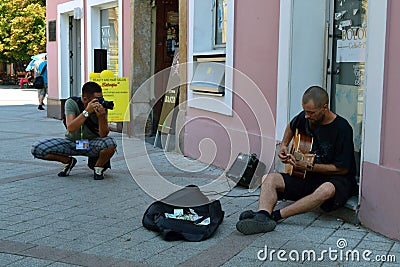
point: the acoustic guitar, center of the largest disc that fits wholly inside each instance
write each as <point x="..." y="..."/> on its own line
<point x="301" y="150"/>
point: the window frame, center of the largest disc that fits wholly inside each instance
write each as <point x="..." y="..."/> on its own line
<point x="93" y="23"/>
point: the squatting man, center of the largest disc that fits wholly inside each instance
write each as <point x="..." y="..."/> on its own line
<point x="87" y="135"/>
<point x="329" y="182"/>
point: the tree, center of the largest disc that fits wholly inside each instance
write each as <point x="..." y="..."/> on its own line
<point x="22" y="29"/>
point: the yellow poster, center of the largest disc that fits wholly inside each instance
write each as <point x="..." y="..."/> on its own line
<point x="117" y="90"/>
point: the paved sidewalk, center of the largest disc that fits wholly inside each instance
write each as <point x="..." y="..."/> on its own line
<point x="46" y="220"/>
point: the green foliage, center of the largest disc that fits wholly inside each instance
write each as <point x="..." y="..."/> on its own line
<point x="22" y="29"/>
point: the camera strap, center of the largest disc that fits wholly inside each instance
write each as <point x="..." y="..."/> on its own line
<point x="91" y="125"/>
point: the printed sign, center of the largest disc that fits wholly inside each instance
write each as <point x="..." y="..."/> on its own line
<point x="166" y="116"/>
<point x="117" y="90"/>
<point x="352" y="47"/>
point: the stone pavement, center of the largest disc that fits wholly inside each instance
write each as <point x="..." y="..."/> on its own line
<point x="46" y="220"/>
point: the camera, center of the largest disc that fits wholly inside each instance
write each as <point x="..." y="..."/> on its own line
<point x="106" y="104"/>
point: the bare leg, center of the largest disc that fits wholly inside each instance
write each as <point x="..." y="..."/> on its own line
<point x="55" y="157"/>
<point x="104" y="156"/>
<point x="271" y="184"/>
<point x="310" y="202"/>
<point x="253" y="223"/>
<point x="41" y="98"/>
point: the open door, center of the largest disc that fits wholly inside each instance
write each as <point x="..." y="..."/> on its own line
<point x="308" y="50"/>
<point x="166" y="41"/>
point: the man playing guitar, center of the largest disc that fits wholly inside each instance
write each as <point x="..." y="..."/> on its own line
<point x="329" y="180"/>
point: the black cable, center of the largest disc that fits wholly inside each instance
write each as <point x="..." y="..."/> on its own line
<point x="214" y="193"/>
<point x="222" y="194"/>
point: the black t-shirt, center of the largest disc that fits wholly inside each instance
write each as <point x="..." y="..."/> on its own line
<point x="332" y="143"/>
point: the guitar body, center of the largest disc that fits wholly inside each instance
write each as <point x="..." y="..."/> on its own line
<point x="301" y="150"/>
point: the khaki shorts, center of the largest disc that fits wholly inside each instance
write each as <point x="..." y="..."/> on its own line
<point x="43" y="91"/>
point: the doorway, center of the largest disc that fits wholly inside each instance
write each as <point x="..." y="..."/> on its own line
<point x="326" y="48"/>
<point x="348" y="42"/>
<point x="166" y="43"/>
<point x="74" y="56"/>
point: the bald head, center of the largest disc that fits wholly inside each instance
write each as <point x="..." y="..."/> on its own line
<point x="318" y="95"/>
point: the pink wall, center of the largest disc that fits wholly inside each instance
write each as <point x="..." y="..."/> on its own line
<point x="379" y="209"/>
<point x="256" y="55"/>
<point x="51" y="14"/>
<point x="52" y="61"/>
<point x="381" y="183"/>
<point x="390" y="156"/>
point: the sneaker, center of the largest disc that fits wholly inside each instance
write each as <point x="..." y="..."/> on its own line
<point x="247" y="214"/>
<point x="260" y="223"/>
<point x="98" y="173"/>
<point x="40" y="107"/>
<point x="67" y="167"/>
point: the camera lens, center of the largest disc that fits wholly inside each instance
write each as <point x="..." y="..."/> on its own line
<point x="106" y="104"/>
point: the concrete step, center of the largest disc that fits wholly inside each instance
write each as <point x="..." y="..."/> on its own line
<point x="348" y="213"/>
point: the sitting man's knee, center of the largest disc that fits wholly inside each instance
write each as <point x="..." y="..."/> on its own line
<point x="271" y="179"/>
<point x="325" y="191"/>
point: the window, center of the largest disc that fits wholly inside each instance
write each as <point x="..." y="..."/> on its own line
<point x="209" y="76"/>
<point x="52" y="31"/>
<point x="220" y="23"/>
<point x="109" y="37"/>
<point x="210" y="47"/>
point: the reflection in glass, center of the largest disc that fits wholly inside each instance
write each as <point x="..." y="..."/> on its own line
<point x="109" y="37"/>
<point x="220" y="22"/>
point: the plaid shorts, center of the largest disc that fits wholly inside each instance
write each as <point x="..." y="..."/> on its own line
<point x="66" y="147"/>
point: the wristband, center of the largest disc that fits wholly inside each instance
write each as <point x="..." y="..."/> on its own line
<point x="310" y="167"/>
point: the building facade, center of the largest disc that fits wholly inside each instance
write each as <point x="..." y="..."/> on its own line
<point x="81" y="35"/>
<point x="261" y="56"/>
<point x="346" y="46"/>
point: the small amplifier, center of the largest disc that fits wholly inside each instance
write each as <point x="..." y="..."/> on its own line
<point x="243" y="169"/>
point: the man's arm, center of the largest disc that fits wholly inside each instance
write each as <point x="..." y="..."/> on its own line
<point x="301" y="165"/>
<point x="325" y="169"/>
<point x="328" y="169"/>
<point x="101" y="113"/>
<point x="74" y="122"/>
<point x="284" y="150"/>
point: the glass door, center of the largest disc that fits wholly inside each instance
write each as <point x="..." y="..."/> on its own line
<point x="349" y="37"/>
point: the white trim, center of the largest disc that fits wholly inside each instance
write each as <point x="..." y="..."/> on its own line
<point x="93" y="22"/>
<point x="374" y="80"/>
<point x="285" y="33"/>
<point x="63" y="12"/>
<point x="190" y="41"/>
<point x="230" y="19"/>
<point x="120" y="39"/>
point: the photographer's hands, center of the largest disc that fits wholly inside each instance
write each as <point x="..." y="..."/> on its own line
<point x="95" y="107"/>
<point x="92" y="106"/>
